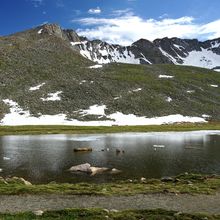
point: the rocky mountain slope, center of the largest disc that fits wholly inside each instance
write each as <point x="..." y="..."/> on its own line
<point x="44" y="79"/>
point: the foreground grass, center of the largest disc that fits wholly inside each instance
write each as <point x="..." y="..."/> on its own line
<point x="185" y="183"/>
<point x="22" y="130"/>
<point x="99" y="214"/>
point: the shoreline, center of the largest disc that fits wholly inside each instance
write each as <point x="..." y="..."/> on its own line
<point x="65" y="129"/>
<point x="186" y="183"/>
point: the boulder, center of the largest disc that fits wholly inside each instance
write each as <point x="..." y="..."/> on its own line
<point x="86" y="168"/>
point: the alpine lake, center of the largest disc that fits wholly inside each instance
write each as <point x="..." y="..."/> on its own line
<point x="47" y="158"/>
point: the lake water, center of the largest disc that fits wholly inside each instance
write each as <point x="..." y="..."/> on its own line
<point x="46" y="158"/>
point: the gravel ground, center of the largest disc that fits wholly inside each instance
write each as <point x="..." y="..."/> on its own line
<point x="184" y="203"/>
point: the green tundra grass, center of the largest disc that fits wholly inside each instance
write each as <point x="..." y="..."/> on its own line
<point x="184" y="183"/>
<point x="99" y="214"/>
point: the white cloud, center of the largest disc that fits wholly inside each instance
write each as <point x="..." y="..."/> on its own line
<point x="126" y="28"/>
<point x="94" y="10"/>
<point x="122" y="12"/>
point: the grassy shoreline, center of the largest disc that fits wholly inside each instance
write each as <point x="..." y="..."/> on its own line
<point x="183" y="183"/>
<point x="59" y="129"/>
<point x="100" y="214"/>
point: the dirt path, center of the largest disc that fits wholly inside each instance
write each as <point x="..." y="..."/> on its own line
<point x="184" y="203"/>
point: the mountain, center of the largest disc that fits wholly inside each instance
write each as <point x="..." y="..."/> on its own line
<point x="174" y="50"/>
<point x="44" y="79"/>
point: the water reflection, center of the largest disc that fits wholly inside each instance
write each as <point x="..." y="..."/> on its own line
<point x="45" y="158"/>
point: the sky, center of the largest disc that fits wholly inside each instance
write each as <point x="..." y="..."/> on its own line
<point x="116" y="21"/>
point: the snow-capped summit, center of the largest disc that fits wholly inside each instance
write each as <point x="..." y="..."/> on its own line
<point x="167" y="50"/>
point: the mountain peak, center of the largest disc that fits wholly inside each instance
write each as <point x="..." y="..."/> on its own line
<point x="52" y="29"/>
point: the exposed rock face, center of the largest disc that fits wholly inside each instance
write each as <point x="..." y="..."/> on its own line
<point x="190" y="52"/>
<point x="53" y="29"/>
<point x="149" y="51"/>
<point x="71" y="35"/>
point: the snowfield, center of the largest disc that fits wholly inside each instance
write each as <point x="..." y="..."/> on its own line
<point x="204" y="58"/>
<point x="18" y="116"/>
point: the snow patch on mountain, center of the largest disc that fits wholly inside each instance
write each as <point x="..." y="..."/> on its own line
<point x="18" y="116"/>
<point x="94" y="110"/>
<point x="204" y="58"/>
<point x="167" y="50"/>
<point x="34" y="88"/>
<point x="214" y="86"/>
<point x="53" y="96"/>
<point x="165" y="76"/>
<point x="169" y="99"/>
<point x="103" y="53"/>
<point x="95" y="66"/>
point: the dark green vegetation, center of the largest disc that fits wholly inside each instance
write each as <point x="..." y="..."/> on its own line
<point x="22" y="130"/>
<point x="186" y="183"/>
<point x="28" y="59"/>
<point x="99" y="214"/>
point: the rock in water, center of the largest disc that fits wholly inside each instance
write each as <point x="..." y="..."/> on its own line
<point x="115" y="171"/>
<point x="83" y="149"/>
<point x="98" y="170"/>
<point x="86" y="168"/>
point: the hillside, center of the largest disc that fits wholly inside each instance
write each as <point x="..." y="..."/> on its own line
<point x="42" y="74"/>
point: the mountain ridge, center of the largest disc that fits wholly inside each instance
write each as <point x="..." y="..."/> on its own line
<point x="173" y="50"/>
<point x="44" y="77"/>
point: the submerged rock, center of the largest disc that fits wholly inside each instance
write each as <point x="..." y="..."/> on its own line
<point x="84" y="149"/>
<point x="6" y="158"/>
<point x="158" y="146"/>
<point x="115" y="171"/>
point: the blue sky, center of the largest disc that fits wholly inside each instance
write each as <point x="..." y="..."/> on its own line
<point x="116" y="21"/>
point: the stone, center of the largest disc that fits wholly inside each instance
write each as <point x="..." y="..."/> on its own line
<point x="143" y="180"/>
<point x="38" y="212"/>
<point x="86" y="167"/>
<point x="21" y="180"/>
<point x="98" y="170"/>
<point x="167" y="179"/>
<point x="115" y="171"/>
<point x="118" y="151"/>
<point x="83" y="149"/>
